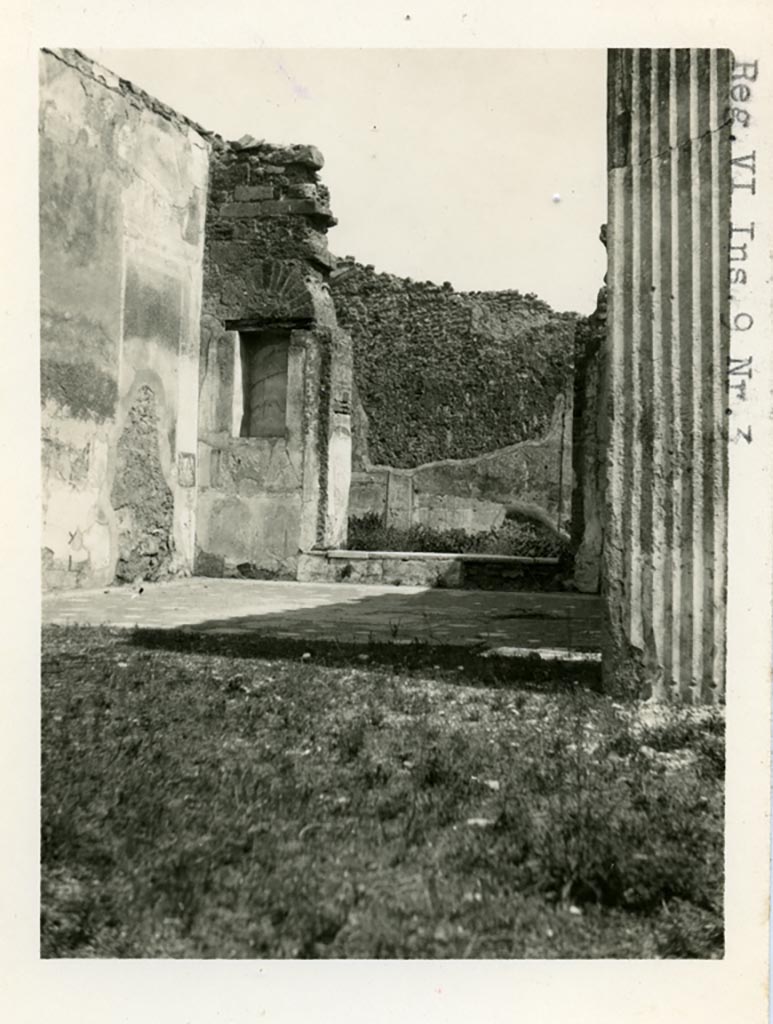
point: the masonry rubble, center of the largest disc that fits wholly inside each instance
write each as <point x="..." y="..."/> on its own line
<point x="462" y="402"/>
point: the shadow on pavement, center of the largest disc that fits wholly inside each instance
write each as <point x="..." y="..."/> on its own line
<point x="418" y="632"/>
<point x="467" y="665"/>
<point x="534" y="620"/>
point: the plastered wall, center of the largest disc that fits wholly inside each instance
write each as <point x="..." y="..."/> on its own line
<point x="123" y="183"/>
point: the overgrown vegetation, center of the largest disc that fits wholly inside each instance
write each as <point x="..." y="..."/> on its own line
<point x="368" y="533"/>
<point x="275" y="804"/>
<point x="448" y="375"/>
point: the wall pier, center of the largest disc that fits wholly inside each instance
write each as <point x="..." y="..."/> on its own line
<point x="274" y="432"/>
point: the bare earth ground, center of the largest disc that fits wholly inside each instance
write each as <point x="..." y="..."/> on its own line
<point x="242" y="794"/>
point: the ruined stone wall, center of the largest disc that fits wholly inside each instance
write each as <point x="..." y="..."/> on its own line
<point x="589" y="442"/>
<point x="265" y="499"/>
<point x="123" y="182"/>
<point x="463" y="401"/>
<point x="533" y="479"/>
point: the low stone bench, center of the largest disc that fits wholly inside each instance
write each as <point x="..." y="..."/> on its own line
<point x="430" y="569"/>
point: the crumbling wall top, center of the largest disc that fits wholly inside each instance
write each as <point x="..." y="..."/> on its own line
<point x="300" y="154"/>
<point x="91" y="69"/>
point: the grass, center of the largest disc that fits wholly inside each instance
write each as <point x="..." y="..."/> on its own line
<point x="253" y="801"/>
<point x="513" y="537"/>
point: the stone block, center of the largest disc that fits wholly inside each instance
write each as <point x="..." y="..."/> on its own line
<point x="247" y="142"/>
<point x="306" y="207"/>
<point x="315" y="568"/>
<point x="419" y="572"/>
<point x="303" y="190"/>
<point x="253" y="193"/>
<point x="317" y="250"/>
<point x="308" y="156"/>
<point x="222" y="231"/>
<point x="369" y="570"/>
<point x="239" y="209"/>
<point x="276" y="208"/>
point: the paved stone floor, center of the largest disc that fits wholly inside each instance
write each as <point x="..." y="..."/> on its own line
<point x="346" y="612"/>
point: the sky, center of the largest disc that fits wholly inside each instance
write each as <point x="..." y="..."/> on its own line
<point x="485" y="168"/>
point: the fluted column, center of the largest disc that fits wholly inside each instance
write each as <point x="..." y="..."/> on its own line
<point x="668" y="341"/>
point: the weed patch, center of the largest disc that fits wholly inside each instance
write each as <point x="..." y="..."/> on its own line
<point x="202" y="804"/>
<point x="513" y="537"/>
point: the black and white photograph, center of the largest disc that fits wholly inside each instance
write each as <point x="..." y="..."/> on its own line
<point x="404" y="447"/>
